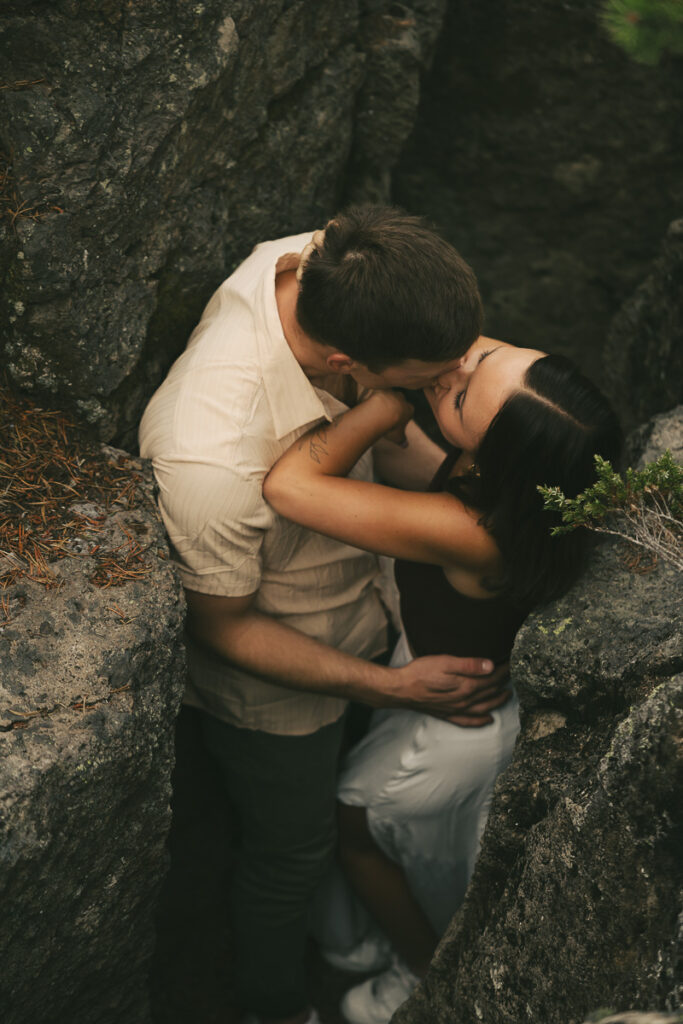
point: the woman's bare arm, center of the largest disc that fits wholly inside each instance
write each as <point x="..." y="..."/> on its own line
<point x="309" y="485"/>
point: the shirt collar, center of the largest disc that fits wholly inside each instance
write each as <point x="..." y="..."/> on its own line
<point x="292" y="398"/>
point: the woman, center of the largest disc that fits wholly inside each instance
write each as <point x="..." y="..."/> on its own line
<point x="474" y="555"/>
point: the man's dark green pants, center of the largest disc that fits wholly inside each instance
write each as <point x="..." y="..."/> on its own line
<point x="282" y="792"/>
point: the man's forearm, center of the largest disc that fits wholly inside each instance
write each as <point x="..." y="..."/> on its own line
<point x="465" y="690"/>
<point x="266" y="647"/>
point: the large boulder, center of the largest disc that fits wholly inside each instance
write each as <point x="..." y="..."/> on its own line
<point x="635" y="1018"/>
<point x="661" y="433"/>
<point x="643" y="357"/>
<point x="575" y="901"/>
<point x="552" y="161"/>
<point x="148" y="147"/>
<point x="91" y="675"/>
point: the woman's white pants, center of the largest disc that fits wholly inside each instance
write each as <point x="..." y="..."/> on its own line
<point x="427" y="787"/>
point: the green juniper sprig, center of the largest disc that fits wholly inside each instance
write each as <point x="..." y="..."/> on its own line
<point x="645" y="29"/>
<point x="644" y="507"/>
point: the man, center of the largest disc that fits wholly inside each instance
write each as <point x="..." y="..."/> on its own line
<point x="284" y="622"/>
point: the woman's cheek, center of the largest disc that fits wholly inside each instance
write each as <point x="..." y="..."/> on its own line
<point x="449" y="428"/>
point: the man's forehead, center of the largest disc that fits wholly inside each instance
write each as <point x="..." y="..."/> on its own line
<point x="421" y="368"/>
<point x="424" y="366"/>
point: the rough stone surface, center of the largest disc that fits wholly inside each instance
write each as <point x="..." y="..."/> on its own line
<point x="90" y="687"/>
<point x="397" y="47"/>
<point x="643" y="359"/>
<point x="575" y="901"/>
<point x="157" y="144"/>
<point x="552" y="161"/>
<point x="636" y="1018"/>
<point x="661" y="432"/>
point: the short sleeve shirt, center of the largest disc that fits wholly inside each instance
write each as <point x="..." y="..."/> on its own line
<point x="233" y="402"/>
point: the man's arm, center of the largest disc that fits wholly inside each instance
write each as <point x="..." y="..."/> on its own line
<point x="460" y="689"/>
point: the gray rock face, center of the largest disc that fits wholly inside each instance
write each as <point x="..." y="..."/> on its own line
<point x="397" y="47"/>
<point x="553" y="163"/>
<point x="151" y="146"/>
<point x="575" y="901"/>
<point x="661" y="432"/>
<point x="636" y="1018"/>
<point x="91" y="679"/>
<point x="643" y="358"/>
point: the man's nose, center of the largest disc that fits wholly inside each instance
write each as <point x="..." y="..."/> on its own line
<point x="446" y="377"/>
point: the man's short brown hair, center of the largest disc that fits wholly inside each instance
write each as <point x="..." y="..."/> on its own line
<point x="384" y="287"/>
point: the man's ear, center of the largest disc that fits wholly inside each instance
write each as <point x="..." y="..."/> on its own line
<point x="337" y="362"/>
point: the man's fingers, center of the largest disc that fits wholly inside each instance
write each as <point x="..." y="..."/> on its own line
<point x="439" y="686"/>
<point x="470" y="723"/>
<point x="468" y="666"/>
<point x="468" y="691"/>
<point x="443" y="665"/>
<point x="467" y="682"/>
<point x="488" y="699"/>
<point x="457" y="718"/>
<point x="482" y="707"/>
<point x="476" y="709"/>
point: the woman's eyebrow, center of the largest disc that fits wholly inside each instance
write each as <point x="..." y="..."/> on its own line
<point x="489" y="352"/>
<point x="480" y="360"/>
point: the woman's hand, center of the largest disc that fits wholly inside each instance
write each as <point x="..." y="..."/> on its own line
<point x="395" y="410"/>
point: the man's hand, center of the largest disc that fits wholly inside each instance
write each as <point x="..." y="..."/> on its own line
<point x="463" y="690"/>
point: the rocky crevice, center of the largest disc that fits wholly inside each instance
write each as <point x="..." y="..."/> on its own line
<point x="147" y="148"/>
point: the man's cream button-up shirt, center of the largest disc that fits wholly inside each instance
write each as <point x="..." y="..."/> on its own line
<point x="233" y="402"/>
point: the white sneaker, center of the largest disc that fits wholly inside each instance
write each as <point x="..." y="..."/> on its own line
<point x="372" y="954"/>
<point x="376" y="1000"/>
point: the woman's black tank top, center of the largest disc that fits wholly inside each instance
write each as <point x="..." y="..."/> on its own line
<point x="440" y="620"/>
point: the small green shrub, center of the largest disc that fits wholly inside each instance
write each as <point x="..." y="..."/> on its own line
<point x="645" y="29"/>
<point x="644" y="507"/>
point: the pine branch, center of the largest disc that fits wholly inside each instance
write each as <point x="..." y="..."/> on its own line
<point x="645" y="507"/>
<point x="645" y="29"/>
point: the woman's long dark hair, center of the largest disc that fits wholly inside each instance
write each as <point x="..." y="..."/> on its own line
<point x="546" y="433"/>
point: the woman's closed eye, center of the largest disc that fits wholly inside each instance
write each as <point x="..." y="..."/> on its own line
<point x="460" y="396"/>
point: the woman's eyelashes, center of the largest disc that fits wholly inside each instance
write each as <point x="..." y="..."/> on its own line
<point x="460" y="395"/>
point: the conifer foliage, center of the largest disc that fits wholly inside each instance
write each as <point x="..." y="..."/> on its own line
<point x="645" y="29"/>
<point x="644" y="507"/>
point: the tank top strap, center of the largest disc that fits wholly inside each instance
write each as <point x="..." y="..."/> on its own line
<point x="440" y="478"/>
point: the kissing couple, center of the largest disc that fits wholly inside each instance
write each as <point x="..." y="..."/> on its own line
<point x="288" y="461"/>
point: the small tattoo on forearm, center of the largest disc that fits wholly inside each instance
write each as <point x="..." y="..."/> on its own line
<point x="317" y="442"/>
